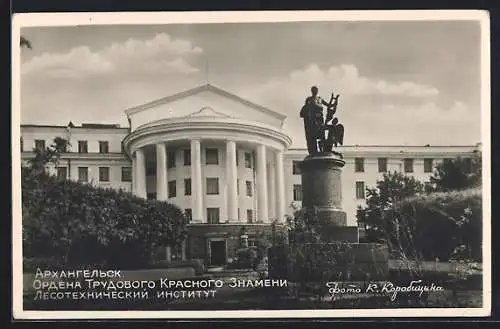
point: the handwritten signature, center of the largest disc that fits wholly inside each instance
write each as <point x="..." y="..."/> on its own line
<point x="416" y="286"/>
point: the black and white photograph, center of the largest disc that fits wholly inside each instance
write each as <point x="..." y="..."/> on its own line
<point x="251" y="164"/>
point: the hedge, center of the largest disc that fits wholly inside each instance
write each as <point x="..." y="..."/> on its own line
<point x="79" y="224"/>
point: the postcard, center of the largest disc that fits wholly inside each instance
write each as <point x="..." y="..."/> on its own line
<point x="283" y="164"/>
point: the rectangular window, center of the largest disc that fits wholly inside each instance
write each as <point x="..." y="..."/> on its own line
<point x="382" y="164"/>
<point x="103" y="147"/>
<point x="40" y="144"/>
<point x="237" y="159"/>
<point x="297" y="192"/>
<point x="83" y="174"/>
<point x="83" y="147"/>
<point x="187" y="157"/>
<point x="212" y="156"/>
<point x="170" y="159"/>
<point x="296" y="168"/>
<point x="126" y="174"/>
<point x="408" y="165"/>
<point x="428" y="165"/>
<point x="212" y="186"/>
<point x="360" y="190"/>
<point x="359" y="165"/>
<point x="22" y="144"/>
<point x="62" y="172"/>
<point x="150" y="169"/>
<point x="249" y="188"/>
<point x="213" y="215"/>
<point x="248" y="160"/>
<point x="249" y="215"/>
<point x="172" y="189"/>
<point x="104" y="174"/>
<point x="187" y="186"/>
<point x="189" y="214"/>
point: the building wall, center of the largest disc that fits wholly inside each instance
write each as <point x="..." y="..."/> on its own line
<point x="115" y="161"/>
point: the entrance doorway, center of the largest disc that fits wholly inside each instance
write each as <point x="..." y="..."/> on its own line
<point x="218" y="253"/>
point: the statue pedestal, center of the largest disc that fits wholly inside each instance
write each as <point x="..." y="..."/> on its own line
<point x="322" y="190"/>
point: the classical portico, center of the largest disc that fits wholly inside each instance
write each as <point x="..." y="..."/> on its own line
<point x="214" y="155"/>
<point x="234" y="140"/>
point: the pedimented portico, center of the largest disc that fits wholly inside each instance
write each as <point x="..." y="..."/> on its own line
<point x="222" y="154"/>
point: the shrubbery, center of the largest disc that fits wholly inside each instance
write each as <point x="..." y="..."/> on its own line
<point x="442" y="225"/>
<point x="72" y="224"/>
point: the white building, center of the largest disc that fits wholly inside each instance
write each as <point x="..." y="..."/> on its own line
<point x="224" y="160"/>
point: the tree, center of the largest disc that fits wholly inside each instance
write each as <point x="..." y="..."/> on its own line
<point x="25" y="43"/>
<point x="377" y="215"/>
<point x="458" y="174"/>
<point x="50" y="154"/>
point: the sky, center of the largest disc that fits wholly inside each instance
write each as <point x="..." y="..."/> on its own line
<point x="400" y="83"/>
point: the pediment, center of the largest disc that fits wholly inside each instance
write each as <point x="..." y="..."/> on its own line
<point x="203" y="101"/>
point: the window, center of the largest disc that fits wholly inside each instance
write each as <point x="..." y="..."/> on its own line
<point x="170" y="159"/>
<point x="172" y="189"/>
<point x="249" y="215"/>
<point x="187" y="186"/>
<point x="187" y="157"/>
<point x="83" y="174"/>
<point x="382" y="164"/>
<point x="22" y="144"/>
<point x="249" y="188"/>
<point x="40" y="144"/>
<point x="83" y="147"/>
<point x="359" y="165"/>
<point x="239" y="214"/>
<point x="408" y="165"/>
<point x="189" y="214"/>
<point x="62" y="172"/>
<point x="252" y="242"/>
<point x="104" y="174"/>
<point x="248" y="160"/>
<point x="428" y="165"/>
<point x="297" y="192"/>
<point x="237" y="159"/>
<point x="151" y="196"/>
<point x="213" y="215"/>
<point x="150" y="169"/>
<point x="360" y="190"/>
<point x="212" y="156"/>
<point x="212" y="186"/>
<point x="103" y="147"/>
<point x="126" y="174"/>
<point x="296" y="168"/>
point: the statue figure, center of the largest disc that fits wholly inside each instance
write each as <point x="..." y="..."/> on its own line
<point x="315" y="127"/>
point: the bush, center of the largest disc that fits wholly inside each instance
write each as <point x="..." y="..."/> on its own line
<point x="80" y="225"/>
<point x="245" y="258"/>
<point x="442" y="225"/>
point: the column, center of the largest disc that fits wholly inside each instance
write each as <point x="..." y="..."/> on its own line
<point x="196" y="185"/>
<point x="134" y="178"/>
<point x="168" y="253"/>
<point x="183" y="250"/>
<point x="140" y="174"/>
<point x="161" y="172"/>
<point x="272" y="191"/>
<point x="280" y="186"/>
<point x="262" y="184"/>
<point x="231" y="181"/>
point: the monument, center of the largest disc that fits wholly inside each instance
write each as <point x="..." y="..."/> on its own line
<point x="321" y="169"/>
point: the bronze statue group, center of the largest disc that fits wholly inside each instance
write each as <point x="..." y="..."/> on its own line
<point x="321" y="134"/>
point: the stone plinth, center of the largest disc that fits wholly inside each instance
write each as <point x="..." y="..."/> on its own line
<point x="322" y="186"/>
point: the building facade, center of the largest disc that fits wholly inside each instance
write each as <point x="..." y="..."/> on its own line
<point x="225" y="161"/>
